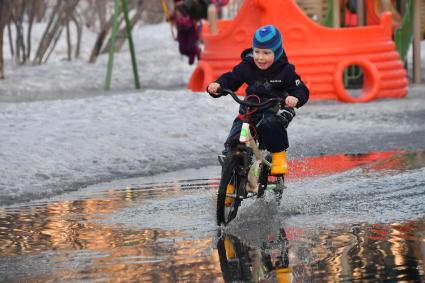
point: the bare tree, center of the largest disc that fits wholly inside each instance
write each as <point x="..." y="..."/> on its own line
<point x="4" y="19"/>
<point x="18" y="12"/>
<point x="18" y="17"/>
<point x="100" y="40"/>
<point x="31" y="15"/>
<point x="12" y="49"/>
<point x="68" y="32"/>
<point x="39" y="9"/>
<point x="57" y="21"/>
<point x="79" y="28"/>
<point x="101" y="10"/>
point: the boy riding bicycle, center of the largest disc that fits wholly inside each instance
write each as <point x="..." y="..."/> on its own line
<point x="267" y="72"/>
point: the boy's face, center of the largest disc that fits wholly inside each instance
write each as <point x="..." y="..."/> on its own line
<point x="263" y="58"/>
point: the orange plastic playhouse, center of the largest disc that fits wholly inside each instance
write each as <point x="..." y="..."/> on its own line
<point x="375" y="7"/>
<point x="320" y="54"/>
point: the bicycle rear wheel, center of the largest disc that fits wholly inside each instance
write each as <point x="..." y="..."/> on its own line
<point x="228" y="201"/>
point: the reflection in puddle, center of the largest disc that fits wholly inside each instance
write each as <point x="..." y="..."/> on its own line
<point x="69" y="241"/>
<point x="165" y="232"/>
<point x="331" y="164"/>
<point x="240" y="262"/>
<point x="350" y="253"/>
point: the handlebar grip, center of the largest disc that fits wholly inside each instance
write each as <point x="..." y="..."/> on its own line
<point x="210" y="93"/>
<point x="223" y="91"/>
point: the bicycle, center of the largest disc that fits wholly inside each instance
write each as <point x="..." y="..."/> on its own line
<point x="246" y="168"/>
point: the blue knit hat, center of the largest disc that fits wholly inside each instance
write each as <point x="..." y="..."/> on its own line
<point x="268" y="37"/>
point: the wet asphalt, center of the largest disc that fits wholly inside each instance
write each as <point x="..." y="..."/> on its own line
<point x="361" y="222"/>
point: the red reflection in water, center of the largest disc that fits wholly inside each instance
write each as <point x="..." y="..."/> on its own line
<point x="330" y="164"/>
<point x="379" y="232"/>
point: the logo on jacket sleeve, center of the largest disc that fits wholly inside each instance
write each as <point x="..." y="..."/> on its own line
<point x="298" y="82"/>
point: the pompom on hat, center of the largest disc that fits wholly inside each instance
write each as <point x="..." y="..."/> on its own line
<point x="268" y="37"/>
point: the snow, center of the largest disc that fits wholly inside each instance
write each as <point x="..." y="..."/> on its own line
<point x="47" y="147"/>
<point x="155" y="49"/>
<point x="50" y="145"/>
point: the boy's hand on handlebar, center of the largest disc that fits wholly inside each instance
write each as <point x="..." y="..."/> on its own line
<point x="291" y="101"/>
<point x="213" y="88"/>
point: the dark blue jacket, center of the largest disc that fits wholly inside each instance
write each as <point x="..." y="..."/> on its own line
<point x="279" y="79"/>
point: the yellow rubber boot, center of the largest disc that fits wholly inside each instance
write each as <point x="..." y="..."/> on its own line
<point x="230" y="250"/>
<point x="230" y="190"/>
<point x="279" y="164"/>
<point x="284" y="275"/>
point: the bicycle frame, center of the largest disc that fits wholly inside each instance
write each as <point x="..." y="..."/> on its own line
<point x="246" y="138"/>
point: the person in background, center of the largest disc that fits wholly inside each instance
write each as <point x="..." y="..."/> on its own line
<point x="187" y="34"/>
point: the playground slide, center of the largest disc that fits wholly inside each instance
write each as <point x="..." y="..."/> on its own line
<point x="320" y="54"/>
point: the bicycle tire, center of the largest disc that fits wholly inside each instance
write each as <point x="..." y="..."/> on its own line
<point x="236" y="269"/>
<point x="227" y="212"/>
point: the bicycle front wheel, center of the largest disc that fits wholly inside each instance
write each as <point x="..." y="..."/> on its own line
<point x="228" y="201"/>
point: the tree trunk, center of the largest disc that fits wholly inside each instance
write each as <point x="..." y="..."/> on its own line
<point x="68" y="34"/>
<point x="53" y="45"/>
<point x="12" y="50"/>
<point x="101" y="38"/>
<point x="46" y="36"/>
<point x="1" y="48"/>
<point x="4" y="19"/>
<point x="98" y="44"/>
<point x="101" y="11"/>
<point x="18" y="11"/>
<point x="56" y="23"/>
<point x="79" y="35"/>
<point x="31" y="12"/>
<point x="1" y="52"/>
<point x="39" y="9"/>
<point x="20" y="45"/>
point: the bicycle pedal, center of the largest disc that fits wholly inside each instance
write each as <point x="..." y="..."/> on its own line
<point x="250" y="194"/>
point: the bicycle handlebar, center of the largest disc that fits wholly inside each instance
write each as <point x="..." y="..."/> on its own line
<point x="270" y="101"/>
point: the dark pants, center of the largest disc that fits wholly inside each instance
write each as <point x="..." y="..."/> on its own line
<point x="188" y="43"/>
<point x="271" y="132"/>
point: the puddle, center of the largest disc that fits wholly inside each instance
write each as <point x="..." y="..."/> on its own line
<point x="356" y="253"/>
<point x="344" y="218"/>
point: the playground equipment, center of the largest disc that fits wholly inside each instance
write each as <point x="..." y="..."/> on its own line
<point x="422" y="13"/>
<point x="403" y="27"/>
<point x="314" y="9"/>
<point x="115" y="25"/>
<point x="373" y="10"/>
<point x="320" y="54"/>
<point x="375" y="7"/>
